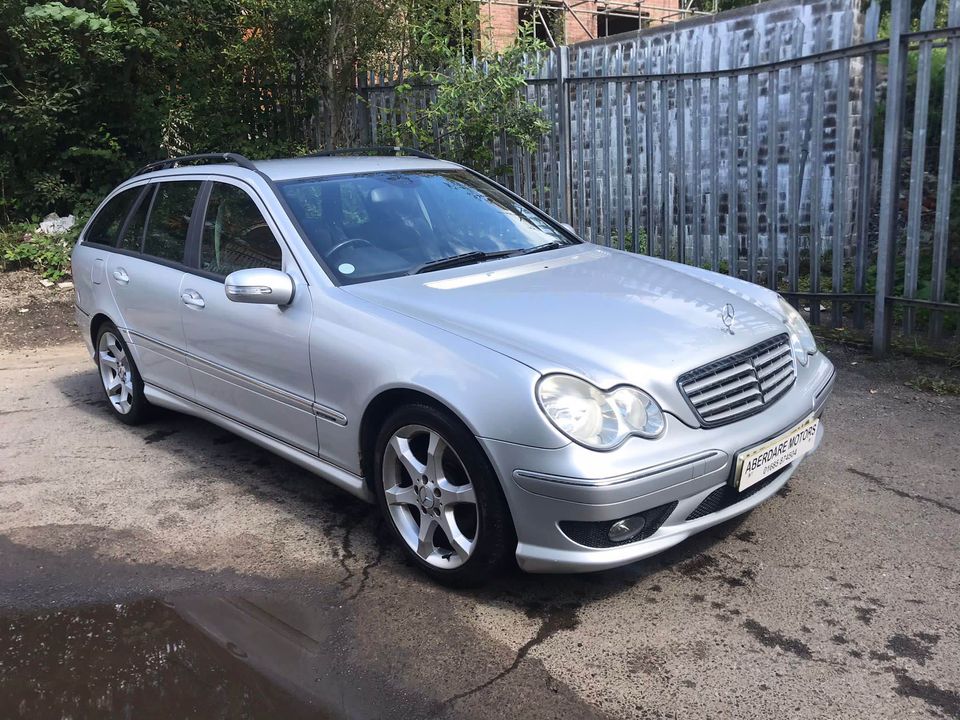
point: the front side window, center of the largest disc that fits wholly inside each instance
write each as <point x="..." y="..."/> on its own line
<point x="235" y="234"/>
<point x="385" y="224"/>
<point x="106" y="225"/>
<point x="166" y="235"/>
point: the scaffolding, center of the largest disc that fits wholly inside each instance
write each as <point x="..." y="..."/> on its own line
<point x="596" y="10"/>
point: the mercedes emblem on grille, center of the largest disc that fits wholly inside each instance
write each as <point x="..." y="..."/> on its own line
<point x="727" y="315"/>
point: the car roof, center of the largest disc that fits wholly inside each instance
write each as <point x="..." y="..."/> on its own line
<point x="306" y="167"/>
<point x="293" y="168"/>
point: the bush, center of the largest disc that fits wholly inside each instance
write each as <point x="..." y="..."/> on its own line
<point x="91" y="90"/>
<point x="21" y="246"/>
<point x="475" y="103"/>
<point x="70" y="113"/>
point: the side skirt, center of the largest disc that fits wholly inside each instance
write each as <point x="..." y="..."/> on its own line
<point x="343" y="479"/>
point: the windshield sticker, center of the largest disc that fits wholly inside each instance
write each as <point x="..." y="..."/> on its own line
<point x="346" y="268"/>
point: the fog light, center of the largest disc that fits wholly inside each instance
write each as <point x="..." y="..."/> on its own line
<point x="626" y="529"/>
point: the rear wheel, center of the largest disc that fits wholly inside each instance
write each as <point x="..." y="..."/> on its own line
<point x="120" y="378"/>
<point x="441" y="497"/>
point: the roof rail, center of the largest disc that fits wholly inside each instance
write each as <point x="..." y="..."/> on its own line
<point x="376" y="150"/>
<point x="235" y="158"/>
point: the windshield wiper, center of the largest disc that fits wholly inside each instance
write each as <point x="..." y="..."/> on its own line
<point x="467" y="258"/>
<point x="552" y="245"/>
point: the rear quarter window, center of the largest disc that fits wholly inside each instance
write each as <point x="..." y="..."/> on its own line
<point x="132" y="232"/>
<point x="105" y="226"/>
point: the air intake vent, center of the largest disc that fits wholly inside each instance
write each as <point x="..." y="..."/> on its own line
<point x="740" y="384"/>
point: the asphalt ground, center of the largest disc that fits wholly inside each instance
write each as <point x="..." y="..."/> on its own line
<point x="175" y="570"/>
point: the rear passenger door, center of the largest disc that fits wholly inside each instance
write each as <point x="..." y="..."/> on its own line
<point x="145" y="278"/>
<point x="249" y="362"/>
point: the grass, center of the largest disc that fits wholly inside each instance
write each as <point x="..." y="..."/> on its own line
<point x="937" y="386"/>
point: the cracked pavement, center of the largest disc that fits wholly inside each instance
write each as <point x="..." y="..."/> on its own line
<point x="277" y="595"/>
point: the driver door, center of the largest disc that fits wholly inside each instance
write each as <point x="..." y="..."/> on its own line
<point x="249" y="362"/>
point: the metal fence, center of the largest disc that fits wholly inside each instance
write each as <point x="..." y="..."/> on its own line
<point x="783" y="152"/>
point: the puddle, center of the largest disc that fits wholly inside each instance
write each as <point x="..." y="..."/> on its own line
<point x="194" y="657"/>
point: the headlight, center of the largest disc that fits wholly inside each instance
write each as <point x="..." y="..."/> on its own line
<point x="801" y="339"/>
<point x="596" y="418"/>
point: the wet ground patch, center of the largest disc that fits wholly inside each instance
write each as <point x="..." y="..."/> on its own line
<point x="772" y="638"/>
<point x="140" y="659"/>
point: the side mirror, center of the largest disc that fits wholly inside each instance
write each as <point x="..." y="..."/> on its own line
<point x="261" y="286"/>
<point x="569" y="228"/>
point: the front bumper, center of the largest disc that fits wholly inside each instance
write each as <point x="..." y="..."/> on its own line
<point x="547" y="487"/>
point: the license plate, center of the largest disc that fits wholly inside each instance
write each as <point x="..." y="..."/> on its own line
<point x="757" y="463"/>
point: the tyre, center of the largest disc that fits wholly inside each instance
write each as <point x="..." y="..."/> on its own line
<point x="121" y="380"/>
<point x="441" y="497"/>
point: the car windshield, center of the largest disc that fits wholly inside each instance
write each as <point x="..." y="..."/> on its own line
<point x="379" y="225"/>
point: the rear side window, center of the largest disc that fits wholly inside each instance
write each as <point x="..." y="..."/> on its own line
<point x="106" y="225"/>
<point x="235" y="234"/>
<point x="166" y="235"/>
<point x="132" y="233"/>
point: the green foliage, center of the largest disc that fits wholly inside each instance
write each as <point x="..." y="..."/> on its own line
<point x="475" y="103"/>
<point x="631" y="243"/>
<point x="68" y="103"/>
<point x="48" y="254"/>
<point x="92" y="90"/>
<point x="11" y="236"/>
<point x="455" y="25"/>
<point x="937" y="386"/>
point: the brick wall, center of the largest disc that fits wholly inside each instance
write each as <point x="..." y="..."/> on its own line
<point x="499" y="20"/>
<point x="498" y="23"/>
<point x="574" y="30"/>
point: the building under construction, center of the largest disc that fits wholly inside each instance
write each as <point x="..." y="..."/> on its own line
<point x="560" y="22"/>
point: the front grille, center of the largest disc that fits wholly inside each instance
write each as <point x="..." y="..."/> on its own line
<point x="595" y="534"/>
<point x="740" y="384"/>
<point x="727" y="495"/>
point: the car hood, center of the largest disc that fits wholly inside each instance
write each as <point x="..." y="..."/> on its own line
<point x="609" y="316"/>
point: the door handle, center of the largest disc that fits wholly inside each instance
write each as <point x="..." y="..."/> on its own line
<point x="193" y="299"/>
<point x="120" y="275"/>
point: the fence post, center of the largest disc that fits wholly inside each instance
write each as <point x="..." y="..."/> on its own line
<point x="363" y="110"/>
<point x="863" y="208"/>
<point x="890" y="180"/>
<point x="948" y="140"/>
<point x="563" y="108"/>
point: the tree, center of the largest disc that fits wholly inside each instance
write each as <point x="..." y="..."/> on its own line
<point x="91" y="90"/>
<point x="68" y="104"/>
<point x="475" y="102"/>
<point x="318" y="47"/>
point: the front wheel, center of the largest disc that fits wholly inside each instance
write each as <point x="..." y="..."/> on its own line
<point x="440" y="495"/>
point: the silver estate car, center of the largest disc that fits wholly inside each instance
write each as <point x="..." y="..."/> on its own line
<point x="428" y="341"/>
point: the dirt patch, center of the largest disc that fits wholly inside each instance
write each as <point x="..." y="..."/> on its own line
<point x="918" y="376"/>
<point x="32" y="315"/>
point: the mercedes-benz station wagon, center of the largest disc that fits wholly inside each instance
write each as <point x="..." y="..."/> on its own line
<point x="430" y="342"/>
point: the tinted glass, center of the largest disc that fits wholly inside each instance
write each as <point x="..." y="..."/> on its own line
<point x="169" y="221"/>
<point x="385" y="224"/>
<point x="132" y="238"/>
<point x="235" y="235"/>
<point x="106" y="225"/>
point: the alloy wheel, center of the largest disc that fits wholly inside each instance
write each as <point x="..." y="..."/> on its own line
<point x="430" y="496"/>
<point x="115" y="372"/>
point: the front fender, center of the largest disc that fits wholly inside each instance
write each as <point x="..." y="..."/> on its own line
<point x="359" y="350"/>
